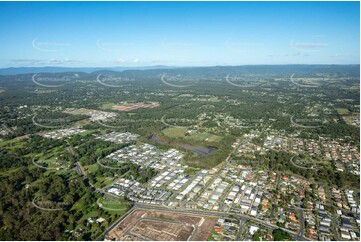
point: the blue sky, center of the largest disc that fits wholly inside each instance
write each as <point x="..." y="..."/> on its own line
<point x="178" y="33"/>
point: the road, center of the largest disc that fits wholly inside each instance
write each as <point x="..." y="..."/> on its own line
<point x="301" y="232"/>
<point x="78" y="167"/>
<point x="334" y="215"/>
<point x="241" y="230"/>
<point x="301" y="167"/>
<point x="216" y="175"/>
<point x="278" y="180"/>
<point x="295" y="235"/>
<point x="115" y="224"/>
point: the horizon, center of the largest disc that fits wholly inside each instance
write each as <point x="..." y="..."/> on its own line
<point x="9" y="71"/>
<point x="147" y="66"/>
<point x="179" y="34"/>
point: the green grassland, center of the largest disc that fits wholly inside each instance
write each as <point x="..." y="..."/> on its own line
<point x="79" y="111"/>
<point x="101" y="181"/>
<point x="114" y="207"/>
<point x="181" y="132"/>
<point x="107" y="105"/>
<point x="191" y="171"/>
<point x="175" y="132"/>
<point x="91" y="168"/>
<point x="43" y="91"/>
<point x="52" y="162"/>
<point x="342" y="111"/>
<point x="82" y="123"/>
<point x="12" y="144"/>
<point x="175" y="137"/>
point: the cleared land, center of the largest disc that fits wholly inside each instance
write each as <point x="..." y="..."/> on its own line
<point x="181" y="132"/>
<point x="162" y="230"/>
<point x="78" y="111"/>
<point x="132" y="106"/>
<point x="342" y="111"/>
<point x="352" y="120"/>
<point x="162" y="225"/>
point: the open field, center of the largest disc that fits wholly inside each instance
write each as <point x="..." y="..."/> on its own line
<point x="12" y="144"/>
<point x="352" y="120"/>
<point x="162" y="225"/>
<point x="175" y="132"/>
<point x="78" y="111"/>
<point x="181" y="132"/>
<point x="82" y="123"/>
<point x="133" y="106"/>
<point x="42" y="91"/>
<point x="162" y="230"/>
<point x="342" y="111"/>
<point x="114" y="207"/>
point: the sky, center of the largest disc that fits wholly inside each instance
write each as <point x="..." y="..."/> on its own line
<point x="106" y="34"/>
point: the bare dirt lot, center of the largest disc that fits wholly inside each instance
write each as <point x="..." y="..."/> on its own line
<point x="162" y="225"/>
<point x="162" y="230"/>
<point x="132" y="106"/>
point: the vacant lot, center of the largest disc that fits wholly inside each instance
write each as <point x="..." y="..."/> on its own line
<point x="79" y="111"/>
<point x="133" y="106"/>
<point x="162" y="230"/>
<point x="181" y="132"/>
<point x="163" y="225"/>
<point x="342" y="111"/>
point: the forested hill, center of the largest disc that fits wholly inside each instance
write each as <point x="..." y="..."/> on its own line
<point x="214" y="71"/>
<point x="271" y="70"/>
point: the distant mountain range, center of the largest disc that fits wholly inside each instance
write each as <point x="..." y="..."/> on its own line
<point x="53" y="69"/>
<point x="215" y="71"/>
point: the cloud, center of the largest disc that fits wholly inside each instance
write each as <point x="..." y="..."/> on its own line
<point x="121" y="60"/>
<point x="307" y="46"/>
<point x="40" y="62"/>
<point x="27" y="62"/>
<point x="66" y="60"/>
<point x="311" y="45"/>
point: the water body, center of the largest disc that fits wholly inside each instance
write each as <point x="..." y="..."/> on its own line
<point x="200" y="150"/>
<point x="156" y="139"/>
<point x="203" y="151"/>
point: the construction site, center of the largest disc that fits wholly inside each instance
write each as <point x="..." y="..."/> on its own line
<point x="159" y="225"/>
